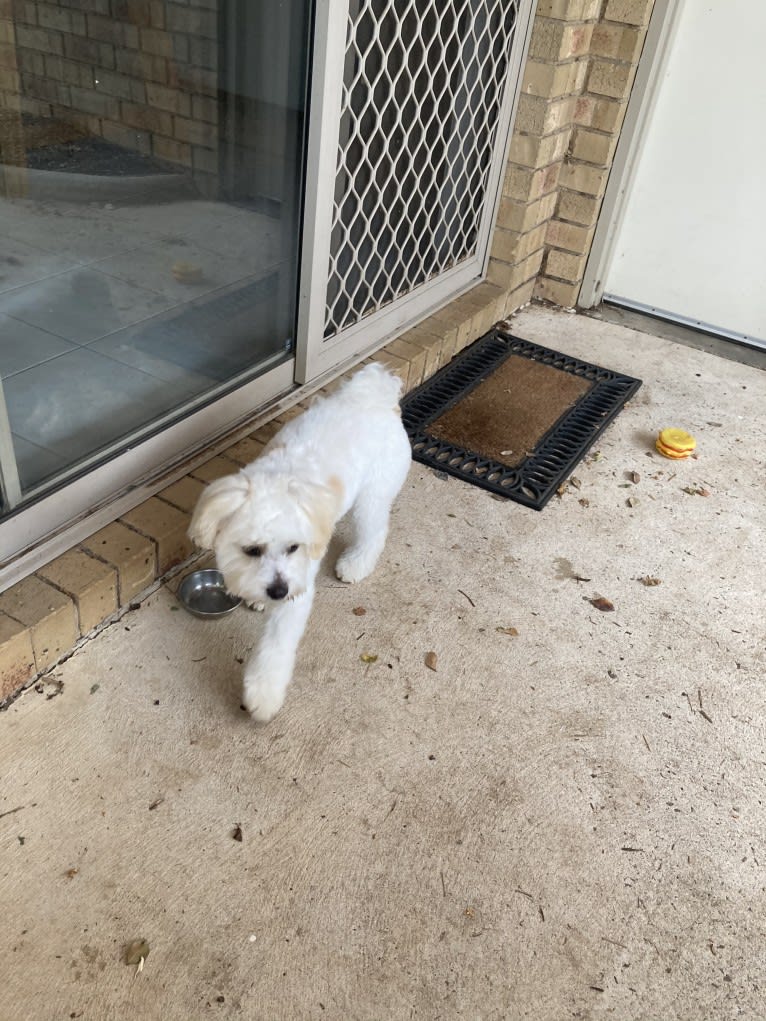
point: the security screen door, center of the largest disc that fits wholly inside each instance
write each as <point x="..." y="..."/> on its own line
<point x="411" y="108"/>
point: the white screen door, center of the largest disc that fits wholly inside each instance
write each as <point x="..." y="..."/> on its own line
<point x="411" y="107"/>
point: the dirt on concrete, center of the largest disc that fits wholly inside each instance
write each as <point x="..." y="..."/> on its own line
<point x="562" y="822"/>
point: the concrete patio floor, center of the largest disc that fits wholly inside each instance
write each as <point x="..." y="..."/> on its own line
<point x="567" y="822"/>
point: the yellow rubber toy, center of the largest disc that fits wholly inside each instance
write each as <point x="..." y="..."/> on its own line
<point x="675" y="443"/>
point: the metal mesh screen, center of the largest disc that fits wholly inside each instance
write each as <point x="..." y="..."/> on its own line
<point x="422" y="89"/>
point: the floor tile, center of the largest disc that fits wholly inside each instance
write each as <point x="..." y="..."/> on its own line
<point x="81" y="304"/>
<point x="155" y="267"/>
<point x="34" y="463"/>
<point x="22" y="263"/>
<point x="22" y="346"/>
<point x="142" y="348"/>
<point x="82" y="401"/>
<point x="82" y="232"/>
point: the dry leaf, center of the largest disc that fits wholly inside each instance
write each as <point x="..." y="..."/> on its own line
<point x="601" y="603"/>
<point x="584" y="501"/>
<point x="136" y="951"/>
<point x="368" y="657"/>
<point x="703" y="492"/>
<point x="359" y="611"/>
<point x="507" y="631"/>
<point x="649" y="581"/>
<point x="430" y="660"/>
<point x="691" y="490"/>
<point x="237" y="833"/>
<point x="575" y="482"/>
<point x="562" y="489"/>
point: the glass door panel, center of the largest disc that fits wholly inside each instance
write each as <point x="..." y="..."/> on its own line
<point x="151" y="176"/>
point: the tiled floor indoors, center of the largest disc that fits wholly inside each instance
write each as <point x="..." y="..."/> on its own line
<point x="562" y="820"/>
<point x="97" y="335"/>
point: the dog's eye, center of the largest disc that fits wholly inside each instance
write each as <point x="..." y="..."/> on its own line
<point x="293" y="548"/>
<point x="253" y="551"/>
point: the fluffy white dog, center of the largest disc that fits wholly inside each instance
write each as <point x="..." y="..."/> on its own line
<point x="270" y="524"/>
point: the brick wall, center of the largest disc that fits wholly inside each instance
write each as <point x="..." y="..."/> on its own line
<point x="140" y="73"/>
<point x="582" y="61"/>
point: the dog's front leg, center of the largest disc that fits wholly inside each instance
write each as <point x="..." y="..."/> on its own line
<point x="270" y="669"/>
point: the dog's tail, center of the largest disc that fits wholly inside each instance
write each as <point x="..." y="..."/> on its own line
<point x="374" y="387"/>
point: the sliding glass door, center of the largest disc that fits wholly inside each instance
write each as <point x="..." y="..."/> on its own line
<point x="151" y="175"/>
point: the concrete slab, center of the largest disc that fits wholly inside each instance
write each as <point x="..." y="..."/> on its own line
<point x="566" y="822"/>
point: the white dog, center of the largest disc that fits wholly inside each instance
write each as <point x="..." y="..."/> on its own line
<point x="270" y="524"/>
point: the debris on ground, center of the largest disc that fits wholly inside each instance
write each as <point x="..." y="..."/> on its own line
<point x="511" y="631"/>
<point x="368" y="657"/>
<point x="601" y="603"/>
<point x="649" y="581"/>
<point x="136" y="952"/>
<point x="430" y="660"/>
<point x="236" y="833"/>
<point x="359" y="611"/>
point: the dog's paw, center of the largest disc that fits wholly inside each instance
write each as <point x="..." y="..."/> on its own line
<point x="352" y="567"/>
<point x="258" y="607"/>
<point x="262" y="700"/>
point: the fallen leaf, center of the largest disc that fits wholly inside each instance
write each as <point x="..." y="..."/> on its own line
<point x="359" y="611"/>
<point x="368" y="657"/>
<point x="237" y="833"/>
<point x="584" y="501"/>
<point x="512" y="631"/>
<point x="649" y="581"/>
<point x="136" y="951"/>
<point x="602" y="604"/>
<point x="703" y="492"/>
<point x="430" y="660"/>
<point x="562" y="489"/>
<point x="575" y="482"/>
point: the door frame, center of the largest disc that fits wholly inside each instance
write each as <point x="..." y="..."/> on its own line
<point x="314" y="354"/>
<point x="650" y="74"/>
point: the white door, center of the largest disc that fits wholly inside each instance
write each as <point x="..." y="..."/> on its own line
<point x="690" y="245"/>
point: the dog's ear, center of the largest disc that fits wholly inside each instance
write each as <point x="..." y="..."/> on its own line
<point x="217" y="502"/>
<point x="321" y="505"/>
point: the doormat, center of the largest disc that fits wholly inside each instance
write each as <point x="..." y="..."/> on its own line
<point x="513" y="417"/>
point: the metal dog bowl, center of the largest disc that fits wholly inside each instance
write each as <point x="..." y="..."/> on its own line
<point x="204" y="594"/>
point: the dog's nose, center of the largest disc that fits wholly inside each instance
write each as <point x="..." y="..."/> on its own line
<point x="277" y="589"/>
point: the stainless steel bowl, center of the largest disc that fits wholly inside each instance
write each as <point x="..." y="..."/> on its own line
<point x="204" y="594"/>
